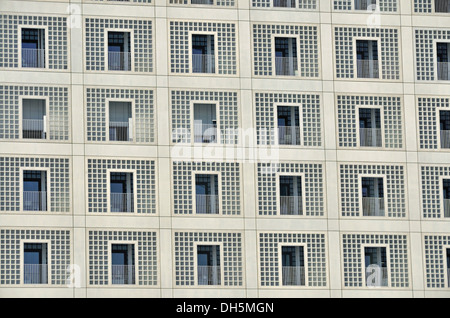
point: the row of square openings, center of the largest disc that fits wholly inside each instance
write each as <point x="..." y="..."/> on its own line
<point x="209" y="272"/>
<point x="203" y="54"/>
<point x="440" y="5"/>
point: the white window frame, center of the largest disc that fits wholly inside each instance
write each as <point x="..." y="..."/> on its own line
<point x="218" y="174"/>
<point x="216" y="52"/>
<point x="355" y="58"/>
<point x="47" y="188"/>
<point x="278" y="202"/>
<point x="366" y="11"/>
<point x="108" y="200"/>
<point x="446" y="266"/>
<point x="280" y="263"/>
<point x="364" y="268"/>
<point x="221" y="258"/>
<point x="438" y="127"/>
<point x="46" y="44"/>
<point x="275" y="121"/>
<point x="441" y="196"/>
<point x="119" y="242"/>
<point x="273" y="53"/>
<point x="433" y="8"/>
<point x="46" y="121"/>
<point x="106" y="49"/>
<point x="22" y="261"/>
<point x="192" y="122"/>
<point x="283" y="8"/>
<point x="133" y="121"/>
<point x="358" y="135"/>
<point x="435" y="70"/>
<point x="364" y="175"/>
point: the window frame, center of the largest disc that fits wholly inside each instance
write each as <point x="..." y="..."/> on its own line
<point x="355" y="58"/>
<point x="382" y="125"/>
<point x="46" y="99"/>
<point x="108" y="182"/>
<point x="275" y="121"/>
<point x="110" y="252"/>
<point x="133" y="121"/>
<point x="106" y="49"/>
<point x="216" y="52"/>
<point x="46" y="46"/>
<point x="280" y="263"/>
<point x="22" y="261"/>
<point x="278" y="193"/>
<point x="435" y="58"/>
<point x="364" y="268"/>
<point x="360" y="199"/>
<point x="218" y="174"/>
<point x="192" y="122"/>
<point x="47" y="188"/>
<point x="221" y="266"/>
<point x="273" y="38"/>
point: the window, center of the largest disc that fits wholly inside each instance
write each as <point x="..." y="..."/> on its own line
<point x="205" y="123"/>
<point x="291" y="195"/>
<point x="365" y="4"/>
<point x="376" y="266"/>
<point x="122" y="264"/>
<point x="35" y="263"/>
<point x="447" y="252"/>
<point x="33" y="48"/>
<point x="288" y="121"/>
<point x="284" y="3"/>
<point x="202" y="1"/>
<point x="442" y="6"/>
<point x="121" y="188"/>
<point x="443" y="69"/>
<point x="372" y="196"/>
<point x="120" y="121"/>
<point x="119" y="51"/>
<point x="370" y="127"/>
<point x="34" y="119"/>
<point x="446" y="197"/>
<point x="208" y="265"/>
<point x="34" y="190"/>
<point x="286" y="63"/>
<point x="206" y="194"/>
<point x="293" y="266"/>
<point x="444" y="127"/>
<point x="203" y="53"/>
<point x="367" y="59"/>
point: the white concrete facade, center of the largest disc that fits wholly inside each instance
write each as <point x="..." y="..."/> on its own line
<point x="78" y="156"/>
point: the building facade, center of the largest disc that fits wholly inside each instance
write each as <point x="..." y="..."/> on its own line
<point x="224" y="148"/>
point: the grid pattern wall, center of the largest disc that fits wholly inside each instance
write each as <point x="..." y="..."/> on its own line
<point x="59" y="181"/>
<point x="354" y="263"/>
<point x="395" y="196"/>
<point x="308" y="48"/>
<point x="144" y="191"/>
<point x="97" y="112"/>
<point x="382" y="5"/>
<point x="423" y="6"/>
<point x="231" y="249"/>
<point x="57" y="39"/>
<point x="266" y="114"/>
<point x="96" y="45"/>
<point x="229" y="188"/>
<point x="313" y="195"/>
<point x="225" y="36"/>
<point x="146" y="251"/>
<point x="270" y="258"/>
<point x="227" y="3"/>
<point x="388" y="42"/>
<point x="302" y="4"/>
<point x="428" y="111"/>
<point x="390" y="110"/>
<point x="432" y="191"/>
<point x="58" y="98"/>
<point x="435" y="260"/>
<point x="228" y="115"/>
<point x="11" y="253"/>
<point x="426" y="52"/>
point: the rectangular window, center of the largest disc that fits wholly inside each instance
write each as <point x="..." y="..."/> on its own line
<point x="284" y="3"/>
<point x="442" y="6"/>
<point x="121" y="191"/>
<point x="119" y="51"/>
<point x="444" y="128"/>
<point x="34" y="190"/>
<point x="446" y="197"/>
<point x="447" y="250"/>
<point x="34" y="119"/>
<point x="202" y="1"/>
<point x="120" y="121"/>
<point x="35" y="263"/>
<point x="208" y="265"/>
<point x="293" y="266"/>
<point x="370" y="127"/>
<point x="203" y="53"/>
<point x="286" y="63"/>
<point x="122" y="264"/>
<point x="365" y="5"/>
<point x="206" y="194"/>
<point x="376" y="266"/>
<point x="288" y="121"/>
<point x="205" y="123"/>
<point x="367" y="59"/>
<point x="33" y="48"/>
<point x="372" y="196"/>
<point x="291" y="195"/>
<point x="443" y="69"/>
